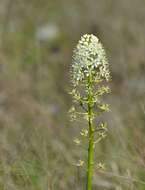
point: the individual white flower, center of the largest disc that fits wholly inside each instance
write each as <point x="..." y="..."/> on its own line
<point x="80" y="163"/>
<point x="84" y="132"/>
<point x="77" y="141"/>
<point x="101" y="166"/>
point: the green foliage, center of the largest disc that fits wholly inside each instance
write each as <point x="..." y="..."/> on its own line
<point x="27" y="172"/>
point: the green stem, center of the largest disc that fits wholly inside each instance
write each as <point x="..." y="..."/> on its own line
<point x="91" y="139"/>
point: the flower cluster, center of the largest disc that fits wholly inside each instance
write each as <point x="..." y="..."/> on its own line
<point x="89" y="58"/>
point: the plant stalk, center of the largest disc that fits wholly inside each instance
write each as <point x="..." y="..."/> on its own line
<point x="91" y="139"/>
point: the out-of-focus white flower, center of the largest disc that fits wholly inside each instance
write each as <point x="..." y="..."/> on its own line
<point x="77" y="141"/>
<point x="47" y="32"/>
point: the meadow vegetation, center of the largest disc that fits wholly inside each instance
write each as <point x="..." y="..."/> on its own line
<point x="37" y="151"/>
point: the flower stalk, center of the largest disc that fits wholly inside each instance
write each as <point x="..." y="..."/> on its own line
<point x="89" y="72"/>
<point x="91" y="137"/>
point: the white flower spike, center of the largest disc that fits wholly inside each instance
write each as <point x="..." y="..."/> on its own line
<point x="89" y="57"/>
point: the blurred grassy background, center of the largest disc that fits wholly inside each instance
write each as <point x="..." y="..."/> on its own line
<point x="36" y="136"/>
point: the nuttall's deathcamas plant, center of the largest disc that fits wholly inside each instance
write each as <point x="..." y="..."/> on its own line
<point x="89" y="72"/>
